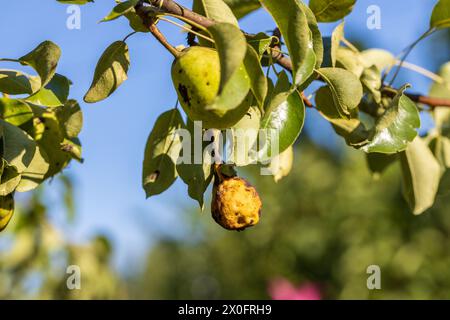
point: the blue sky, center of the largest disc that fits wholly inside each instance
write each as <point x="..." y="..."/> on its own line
<point x="109" y="194"/>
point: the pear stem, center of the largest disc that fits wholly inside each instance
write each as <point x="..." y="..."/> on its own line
<point x="162" y="39"/>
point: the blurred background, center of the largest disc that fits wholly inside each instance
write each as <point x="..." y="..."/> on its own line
<point x="321" y="226"/>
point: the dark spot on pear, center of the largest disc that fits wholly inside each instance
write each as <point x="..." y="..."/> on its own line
<point x="184" y="94"/>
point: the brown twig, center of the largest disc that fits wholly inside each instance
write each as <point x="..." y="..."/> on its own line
<point x="160" y="37"/>
<point x="174" y="8"/>
<point x="429" y="101"/>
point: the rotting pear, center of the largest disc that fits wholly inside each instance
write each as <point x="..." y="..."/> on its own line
<point x="235" y="203"/>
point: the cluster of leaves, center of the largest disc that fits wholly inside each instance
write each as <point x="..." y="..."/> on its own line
<point x="38" y="127"/>
<point x="369" y="114"/>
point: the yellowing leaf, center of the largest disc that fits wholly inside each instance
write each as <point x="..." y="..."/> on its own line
<point x="281" y="165"/>
<point x="421" y="175"/>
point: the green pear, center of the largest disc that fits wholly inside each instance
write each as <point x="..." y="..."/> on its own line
<point x="196" y="77"/>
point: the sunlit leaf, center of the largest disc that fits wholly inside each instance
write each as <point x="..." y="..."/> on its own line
<point x="293" y="24"/>
<point x="284" y="116"/>
<point x="331" y="10"/>
<point x="15" y="82"/>
<point x="110" y="73"/>
<point x="235" y="82"/>
<point x="6" y="210"/>
<point x="22" y="152"/>
<point x="15" y="111"/>
<point x="440" y="18"/>
<point x="54" y="94"/>
<point x="396" y="127"/>
<point x="241" y="8"/>
<point x="120" y="9"/>
<point x="44" y="59"/>
<point x="10" y="178"/>
<point x="346" y="89"/>
<point x="71" y="118"/>
<point x="256" y="74"/>
<point x="216" y="10"/>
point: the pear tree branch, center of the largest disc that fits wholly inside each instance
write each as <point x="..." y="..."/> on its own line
<point x="173" y="8"/>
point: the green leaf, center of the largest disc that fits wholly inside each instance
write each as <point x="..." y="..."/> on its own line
<point x="231" y="46"/>
<point x="284" y="116"/>
<point x="15" y="82"/>
<point x="293" y="24"/>
<point x="44" y="59"/>
<point x="216" y="10"/>
<point x="379" y="162"/>
<point x="10" y="178"/>
<point x="336" y="38"/>
<point x="71" y="118"/>
<point x="161" y="153"/>
<point x="72" y="147"/>
<point x="120" y="9"/>
<point x="396" y="127"/>
<point x="197" y="176"/>
<point x="48" y="133"/>
<point x="136" y="22"/>
<point x="379" y="58"/>
<point x="260" y="42"/>
<point x="15" y="112"/>
<point x="258" y="81"/>
<point x="6" y="210"/>
<point x="54" y="94"/>
<point x="331" y="10"/>
<point x="440" y="18"/>
<point x="350" y="61"/>
<point x="440" y="146"/>
<point x="352" y="130"/>
<point x="241" y="8"/>
<point x="421" y="176"/>
<point x="110" y="73"/>
<point x="234" y="82"/>
<point x="346" y="89"/>
<point x="371" y="80"/>
<point x="315" y="32"/>
<point x="442" y="90"/>
<point x="22" y="152"/>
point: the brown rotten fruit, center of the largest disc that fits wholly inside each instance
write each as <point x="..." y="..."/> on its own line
<point x="235" y="203"/>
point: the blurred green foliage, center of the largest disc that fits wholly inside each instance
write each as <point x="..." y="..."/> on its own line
<point x="35" y="255"/>
<point x="325" y="223"/>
